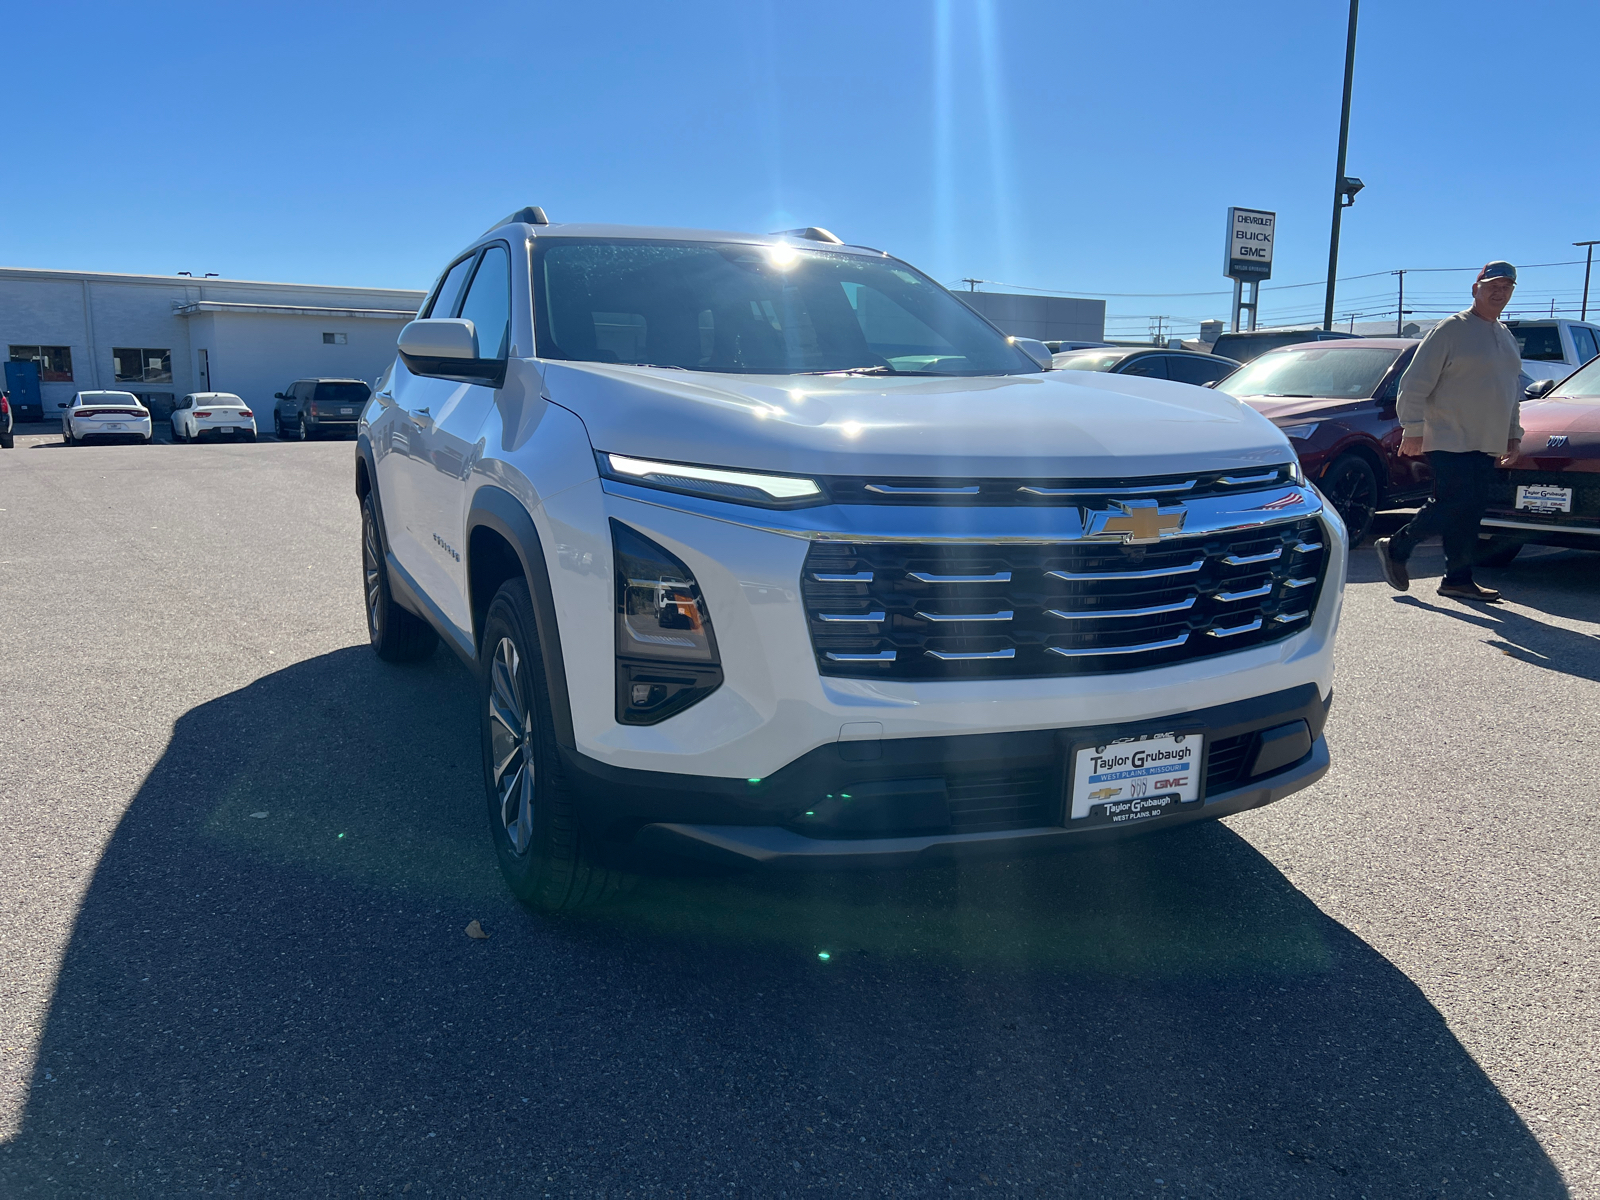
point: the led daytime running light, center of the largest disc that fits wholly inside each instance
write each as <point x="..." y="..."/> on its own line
<point x="779" y="487"/>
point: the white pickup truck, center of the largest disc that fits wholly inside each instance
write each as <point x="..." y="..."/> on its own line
<point x="767" y="550"/>
<point x="1553" y="348"/>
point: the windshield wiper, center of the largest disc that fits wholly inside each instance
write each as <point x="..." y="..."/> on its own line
<point x="1289" y="395"/>
<point x="872" y="370"/>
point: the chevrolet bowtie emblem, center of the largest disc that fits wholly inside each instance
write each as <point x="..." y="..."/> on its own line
<point x="1136" y="520"/>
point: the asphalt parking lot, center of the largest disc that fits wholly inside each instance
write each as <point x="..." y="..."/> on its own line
<point x="238" y="854"/>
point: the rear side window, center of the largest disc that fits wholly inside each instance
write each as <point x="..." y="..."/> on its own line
<point x="1583" y="339"/>
<point x="444" y="303"/>
<point x="1151" y="366"/>
<point x="1195" y="370"/>
<point x="342" y="393"/>
<point x="488" y="303"/>
<point x="1539" y="343"/>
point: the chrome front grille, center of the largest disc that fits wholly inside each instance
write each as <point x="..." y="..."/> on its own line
<point x="961" y="610"/>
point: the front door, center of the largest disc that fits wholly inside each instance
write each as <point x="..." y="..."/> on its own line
<point x="450" y="441"/>
<point x="202" y="370"/>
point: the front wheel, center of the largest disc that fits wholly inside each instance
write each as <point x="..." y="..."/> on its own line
<point x="1352" y="487"/>
<point x="300" y="433"/>
<point x="533" y="822"/>
<point x="396" y="635"/>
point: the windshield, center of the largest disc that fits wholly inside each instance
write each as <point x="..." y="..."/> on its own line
<point x="343" y="393"/>
<point x="1583" y="384"/>
<point x="1313" y="371"/>
<point x="1098" y="360"/>
<point x="1538" y="343"/>
<point x="743" y="309"/>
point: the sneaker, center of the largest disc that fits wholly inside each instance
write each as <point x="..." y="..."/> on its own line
<point x="1394" y="569"/>
<point x="1469" y="591"/>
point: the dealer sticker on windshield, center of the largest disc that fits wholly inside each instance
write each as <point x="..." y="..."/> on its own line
<point x="1544" y="498"/>
<point x="1136" y="779"/>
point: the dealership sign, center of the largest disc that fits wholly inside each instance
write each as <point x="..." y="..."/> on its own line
<point x="1249" y="251"/>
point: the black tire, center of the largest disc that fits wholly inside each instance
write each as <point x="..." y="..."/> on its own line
<point x="277" y="427"/>
<point x="396" y="635"/>
<point x="1498" y="551"/>
<point x="250" y="437"/>
<point x="300" y="433"/>
<point x="532" y="808"/>
<point x="66" y="436"/>
<point x="1351" y="486"/>
<point x="7" y="440"/>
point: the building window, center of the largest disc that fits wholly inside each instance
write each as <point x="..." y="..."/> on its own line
<point x="141" y="365"/>
<point x="55" y="362"/>
<point x="334" y="339"/>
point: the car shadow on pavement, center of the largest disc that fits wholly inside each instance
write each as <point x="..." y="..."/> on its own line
<point x="269" y="987"/>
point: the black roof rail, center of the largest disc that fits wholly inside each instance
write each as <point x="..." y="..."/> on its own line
<point x="531" y="215"/>
<point x="812" y="233"/>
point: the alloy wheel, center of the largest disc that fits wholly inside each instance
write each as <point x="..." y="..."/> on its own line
<point x="369" y="562"/>
<point x="511" y="735"/>
<point x="1354" y="495"/>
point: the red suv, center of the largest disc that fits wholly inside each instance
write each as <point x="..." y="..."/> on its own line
<point x="1336" y="401"/>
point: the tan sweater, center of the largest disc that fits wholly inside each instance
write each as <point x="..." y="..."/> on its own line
<point x="1461" y="390"/>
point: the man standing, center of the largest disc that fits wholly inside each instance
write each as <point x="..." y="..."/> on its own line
<point x="1459" y="404"/>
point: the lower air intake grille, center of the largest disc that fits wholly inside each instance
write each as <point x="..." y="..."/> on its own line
<point x="1002" y="800"/>
<point x="962" y="611"/>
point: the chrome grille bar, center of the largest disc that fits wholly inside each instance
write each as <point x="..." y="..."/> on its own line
<point x="879" y="656"/>
<point x="1163" y="488"/>
<point x="1095" y="651"/>
<point x="889" y="489"/>
<point x="1092" y="614"/>
<point x="1219" y="632"/>
<point x="858" y="577"/>
<point x="1151" y="573"/>
<point x="1241" y="480"/>
<point x="1003" y="615"/>
<point x="1245" y="560"/>
<point x="1234" y="597"/>
<point x="977" y="656"/>
<point x="929" y="577"/>
<point x="834" y="618"/>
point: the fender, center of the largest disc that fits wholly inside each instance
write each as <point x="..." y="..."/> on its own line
<point x="364" y="452"/>
<point x="497" y="509"/>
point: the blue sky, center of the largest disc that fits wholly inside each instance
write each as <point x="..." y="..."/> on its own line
<point x="1082" y="148"/>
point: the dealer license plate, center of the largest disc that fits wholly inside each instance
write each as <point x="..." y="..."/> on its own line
<point x="1543" y="498"/>
<point x="1136" y="779"/>
<point x="348" y="412"/>
<point x="114" y="425"/>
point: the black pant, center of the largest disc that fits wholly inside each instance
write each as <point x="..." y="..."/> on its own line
<point x="1462" y="481"/>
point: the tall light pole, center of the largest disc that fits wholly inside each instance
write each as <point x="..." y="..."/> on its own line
<point x="1344" y="189"/>
<point x="1588" y="262"/>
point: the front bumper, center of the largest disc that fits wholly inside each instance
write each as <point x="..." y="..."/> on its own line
<point x="922" y="798"/>
<point x="774" y="706"/>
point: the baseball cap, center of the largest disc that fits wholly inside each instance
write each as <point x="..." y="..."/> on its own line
<point x="1499" y="269"/>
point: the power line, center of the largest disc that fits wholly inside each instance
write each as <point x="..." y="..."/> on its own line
<point x="1277" y="287"/>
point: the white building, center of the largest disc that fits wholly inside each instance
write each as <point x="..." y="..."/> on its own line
<point x="1047" y="318"/>
<point x="162" y="336"/>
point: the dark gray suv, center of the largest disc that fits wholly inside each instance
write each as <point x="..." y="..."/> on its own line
<point x="311" y="406"/>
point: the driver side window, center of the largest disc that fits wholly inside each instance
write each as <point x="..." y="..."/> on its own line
<point x="488" y="303"/>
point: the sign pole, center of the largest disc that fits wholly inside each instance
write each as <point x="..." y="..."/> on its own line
<point x="1238" y="300"/>
<point x="1339" y="186"/>
<point x="1247" y="258"/>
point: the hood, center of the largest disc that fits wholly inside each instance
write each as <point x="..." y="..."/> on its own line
<point x="1578" y="421"/>
<point x="1053" y="424"/>
<point x="1290" y="410"/>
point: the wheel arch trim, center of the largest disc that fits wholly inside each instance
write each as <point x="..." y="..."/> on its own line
<point x="498" y="510"/>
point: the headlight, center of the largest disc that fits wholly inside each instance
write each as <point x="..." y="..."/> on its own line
<point x="714" y="483"/>
<point x="1297" y="473"/>
<point x="666" y="649"/>
<point x="1300" y="433"/>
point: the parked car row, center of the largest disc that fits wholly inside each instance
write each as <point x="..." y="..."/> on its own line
<point x="309" y="408"/>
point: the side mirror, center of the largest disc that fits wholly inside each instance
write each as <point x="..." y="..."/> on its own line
<point x="279" y="396"/>
<point x="447" y="348"/>
<point x="1034" y="349"/>
<point x="1538" y="388"/>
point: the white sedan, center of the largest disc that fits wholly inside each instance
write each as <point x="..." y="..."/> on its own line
<point x="105" y="414"/>
<point x="212" y="414"/>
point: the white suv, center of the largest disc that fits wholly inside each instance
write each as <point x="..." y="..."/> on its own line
<point x="767" y="549"/>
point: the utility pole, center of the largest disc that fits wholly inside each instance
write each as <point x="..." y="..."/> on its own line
<point x="972" y="284"/>
<point x="1341" y="185"/>
<point x="1588" y="262"/>
<point x="1400" y="305"/>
